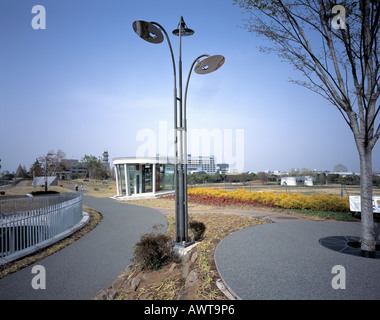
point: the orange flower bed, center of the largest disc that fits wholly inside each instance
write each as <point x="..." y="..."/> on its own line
<point x="315" y="202"/>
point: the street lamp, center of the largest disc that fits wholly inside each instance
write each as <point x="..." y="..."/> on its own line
<point x="153" y="33"/>
<point x="47" y="159"/>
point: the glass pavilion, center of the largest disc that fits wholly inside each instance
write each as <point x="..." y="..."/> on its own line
<point x="148" y="175"/>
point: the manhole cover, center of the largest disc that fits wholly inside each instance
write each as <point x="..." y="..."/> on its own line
<point x="347" y="245"/>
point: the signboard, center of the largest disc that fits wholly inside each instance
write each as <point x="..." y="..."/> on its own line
<point x="355" y="204"/>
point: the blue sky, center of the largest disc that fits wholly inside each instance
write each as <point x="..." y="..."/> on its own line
<point x="88" y="83"/>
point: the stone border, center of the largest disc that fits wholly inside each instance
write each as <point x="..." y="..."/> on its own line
<point x="85" y="220"/>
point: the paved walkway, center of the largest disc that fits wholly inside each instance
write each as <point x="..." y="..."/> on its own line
<point x="286" y="261"/>
<point x="271" y="261"/>
<point x="92" y="263"/>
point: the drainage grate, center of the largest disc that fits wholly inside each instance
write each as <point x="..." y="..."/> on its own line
<point x="348" y="245"/>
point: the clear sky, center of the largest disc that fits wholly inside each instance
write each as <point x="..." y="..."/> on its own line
<point x="87" y="83"/>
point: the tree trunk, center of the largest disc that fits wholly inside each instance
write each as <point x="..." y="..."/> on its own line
<point x="368" y="242"/>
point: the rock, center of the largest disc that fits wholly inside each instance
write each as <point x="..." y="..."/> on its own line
<point x="144" y="296"/>
<point x="102" y="295"/>
<point x="146" y="276"/>
<point x="118" y="283"/>
<point x="185" y="295"/>
<point x="194" y="256"/>
<point x="106" y="295"/>
<point x="192" y="279"/>
<point x="268" y="220"/>
<point x="127" y="284"/>
<point x="172" y="267"/>
<point x="135" y="283"/>
<point x="129" y="269"/>
<point x="111" y="294"/>
<point x="186" y="269"/>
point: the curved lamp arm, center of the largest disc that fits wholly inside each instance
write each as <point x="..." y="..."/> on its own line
<point x="187" y="84"/>
<point x="205" y="66"/>
<point x="171" y="52"/>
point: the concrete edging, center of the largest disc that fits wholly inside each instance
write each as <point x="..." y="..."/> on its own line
<point x="85" y="220"/>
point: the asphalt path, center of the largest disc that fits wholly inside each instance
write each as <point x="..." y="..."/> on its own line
<point x="90" y="264"/>
<point x="281" y="261"/>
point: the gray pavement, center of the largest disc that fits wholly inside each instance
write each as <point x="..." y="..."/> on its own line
<point x="286" y="261"/>
<point x="90" y="264"/>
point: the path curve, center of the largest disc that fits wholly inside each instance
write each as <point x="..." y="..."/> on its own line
<point x="286" y="261"/>
<point x="89" y="265"/>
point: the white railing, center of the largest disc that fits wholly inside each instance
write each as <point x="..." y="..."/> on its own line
<point x="24" y="229"/>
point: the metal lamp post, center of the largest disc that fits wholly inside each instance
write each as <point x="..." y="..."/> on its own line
<point x="152" y="32"/>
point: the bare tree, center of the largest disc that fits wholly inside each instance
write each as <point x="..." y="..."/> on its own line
<point x="335" y="46"/>
<point x="54" y="162"/>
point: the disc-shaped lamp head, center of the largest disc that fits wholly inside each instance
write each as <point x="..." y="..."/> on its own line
<point x="148" y="31"/>
<point x="185" y="31"/>
<point x="210" y="64"/>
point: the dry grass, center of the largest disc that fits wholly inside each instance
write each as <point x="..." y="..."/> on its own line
<point x="162" y="203"/>
<point x="98" y="188"/>
<point x="95" y="188"/>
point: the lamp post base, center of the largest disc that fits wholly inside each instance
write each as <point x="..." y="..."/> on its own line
<point x="184" y="247"/>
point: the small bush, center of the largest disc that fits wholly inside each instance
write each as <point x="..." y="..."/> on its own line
<point x="198" y="229"/>
<point x="153" y="251"/>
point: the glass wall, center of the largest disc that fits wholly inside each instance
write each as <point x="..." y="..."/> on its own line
<point x="166" y="176"/>
<point x="132" y="178"/>
<point x="122" y="179"/>
<point x="140" y="178"/>
<point x="147" y="175"/>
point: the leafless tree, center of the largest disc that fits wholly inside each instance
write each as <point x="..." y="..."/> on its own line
<point x="54" y="161"/>
<point x="335" y="46"/>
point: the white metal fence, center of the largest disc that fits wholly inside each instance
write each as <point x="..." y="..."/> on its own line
<point x="47" y="217"/>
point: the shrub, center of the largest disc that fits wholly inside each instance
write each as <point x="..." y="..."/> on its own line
<point x="153" y="251"/>
<point x="198" y="229"/>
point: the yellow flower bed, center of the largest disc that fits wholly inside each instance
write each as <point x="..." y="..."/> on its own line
<point x="315" y="202"/>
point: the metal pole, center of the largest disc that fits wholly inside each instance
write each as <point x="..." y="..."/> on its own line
<point x="182" y="213"/>
<point x="176" y="166"/>
<point x="46" y="174"/>
<point x="185" y="145"/>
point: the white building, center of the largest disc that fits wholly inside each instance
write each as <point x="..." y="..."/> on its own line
<point x="298" y="181"/>
<point x="201" y="163"/>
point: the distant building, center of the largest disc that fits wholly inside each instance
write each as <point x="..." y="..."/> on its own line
<point x="105" y="162"/>
<point x="298" y="181"/>
<point x="74" y="168"/>
<point x="204" y="164"/>
<point x="223" y="168"/>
